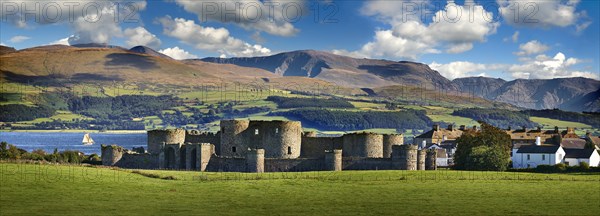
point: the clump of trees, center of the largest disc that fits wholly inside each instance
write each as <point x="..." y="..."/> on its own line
<point x="11" y="152"/>
<point x="487" y="149"/>
<point x="296" y="102"/>
<point x="20" y="112"/>
<point x="497" y="117"/>
<point x="326" y="119"/>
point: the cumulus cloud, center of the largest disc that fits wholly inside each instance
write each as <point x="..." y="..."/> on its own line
<point x="139" y="36"/>
<point x="532" y="47"/>
<point x="461" y="69"/>
<point x="177" y="53"/>
<point x="545" y="67"/>
<point x="209" y="38"/>
<point x="272" y="17"/>
<point x="18" y="39"/>
<point x="91" y="21"/>
<point x="539" y="13"/>
<point x="514" y="37"/>
<point x="454" y="29"/>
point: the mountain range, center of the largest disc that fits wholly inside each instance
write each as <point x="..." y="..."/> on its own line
<point x="102" y="62"/>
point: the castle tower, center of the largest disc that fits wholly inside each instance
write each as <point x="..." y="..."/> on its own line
<point x="255" y="161"/>
<point x="333" y="160"/>
<point x="421" y="159"/>
<point x="232" y="138"/>
<point x="111" y="154"/>
<point x="279" y="139"/>
<point x="368" y="145"/>
<point x="404" y="157"/>
<point x="388" y="141"/>
<point x="431" y="160"/>
<point x="157" y="137"/>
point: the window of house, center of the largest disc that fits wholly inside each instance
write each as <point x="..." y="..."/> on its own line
<point x="289" y="150"/>
<point x="276" y="130"/>
<point x="528" y="157"/>
<point x="543" y="157"/>
<point x="233" y="149"/>
<point x="255" y="131"/>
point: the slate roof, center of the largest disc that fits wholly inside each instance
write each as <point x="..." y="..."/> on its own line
<point x="573" y="143"/>
<point x="534" y="149"/>
<point x="579" y="153"/>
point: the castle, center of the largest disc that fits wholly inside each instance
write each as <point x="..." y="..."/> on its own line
<point x="270" y="146"/>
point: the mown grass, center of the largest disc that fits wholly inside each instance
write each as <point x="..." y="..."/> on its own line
<point x="52" y="189"/>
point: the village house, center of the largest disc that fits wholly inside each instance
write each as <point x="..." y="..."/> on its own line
<point x="530" y="156"/>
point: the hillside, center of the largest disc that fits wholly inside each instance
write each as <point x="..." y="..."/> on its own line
<point x="573" y="94"/>
<point x="343" y="70"/>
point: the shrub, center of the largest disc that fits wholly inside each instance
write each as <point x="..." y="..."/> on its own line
<point x="584" y="166"/>
<point x="561" y="167"/>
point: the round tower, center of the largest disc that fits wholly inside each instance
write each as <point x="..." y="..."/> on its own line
<point x="363" y="145"/>
<point x="255" y="161"/>
<point x="421" y="159"/>
<point x="232" y="138"/>
<point x="111" y="154"/>
<point x="333" y="160"/>
<point x="404" y="157"/>
<point x="170" y="136"/>
<point x="389" y="140"/>
<point x="280" y="139"/>
<point x="431" y="160"/>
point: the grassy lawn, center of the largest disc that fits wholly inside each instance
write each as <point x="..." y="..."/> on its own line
<point x="549" y="123"/>
<point x="51" y="189"/>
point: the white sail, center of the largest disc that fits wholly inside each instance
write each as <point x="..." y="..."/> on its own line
<point x="87" y="139"/>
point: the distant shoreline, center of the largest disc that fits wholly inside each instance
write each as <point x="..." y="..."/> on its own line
<point x="78" y="131"/>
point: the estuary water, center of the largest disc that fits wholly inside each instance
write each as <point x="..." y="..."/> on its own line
<point x="71" y="141"/>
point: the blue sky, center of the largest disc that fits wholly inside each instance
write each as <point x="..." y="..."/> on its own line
<point x="549" y="39"/>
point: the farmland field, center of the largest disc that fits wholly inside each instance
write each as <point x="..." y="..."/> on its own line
<point x="56" y="189"/>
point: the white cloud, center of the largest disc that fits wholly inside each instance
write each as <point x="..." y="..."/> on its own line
<point x="515" y="37"/>
<point x="209" y="38"/>
<point x="461" y="69"/>
<point x="18" y="39"/>
<point x="453" y="29"/>
<point x="64" y="41"/>
<point x="139" y="36"/>
<point x="532" y="47"/>
<point x="581" y="27"/>
<point x="92" y="21"/>
<point x="272" y="17"/>
<point x="539" y="13"/>
<point x="545" y="67"/>
<point x="177" y="53"/>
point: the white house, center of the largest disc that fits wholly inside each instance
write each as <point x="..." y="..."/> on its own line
<point x="576" y="156"/>
<point x="533" y="155"/>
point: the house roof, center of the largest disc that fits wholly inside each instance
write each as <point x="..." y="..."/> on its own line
<point x="534" y="149"/>
<point x="579" y="153"/>
<point x="439" y="134"/>
<point x="573" y="143"/>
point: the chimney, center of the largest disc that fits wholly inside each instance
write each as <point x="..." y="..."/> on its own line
<point x="556" y="129"/>
<point x="475" y="128"/>
<point x="570" y="130"/>
<point x="451" y="127"/>
<point x="462" y="127"/>
<point x="423" y="144"/>
<point x="539" y="128"/>
<point x="436" y="127"/>
<point x="509" y="128"/>
<point x="524" y="128"/>
<point x="588" y="134"/>
<point x="538" y="141"/>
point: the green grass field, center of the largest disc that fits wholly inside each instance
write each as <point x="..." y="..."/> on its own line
<point x="50" y="189"/>
<point x="549" y="123"/>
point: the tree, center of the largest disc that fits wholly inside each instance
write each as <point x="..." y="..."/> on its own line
<point x="488" y="149"/>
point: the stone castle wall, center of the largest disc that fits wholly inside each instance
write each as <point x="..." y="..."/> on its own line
<point x="138" y="161"/>
<point x="170" y="136"/>
<point x="111" y="154"/>
<point x="315" y="147"/>
<point x="197" y="137"/>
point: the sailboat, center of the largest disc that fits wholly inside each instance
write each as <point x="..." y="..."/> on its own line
<point x="87" y="139"/>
